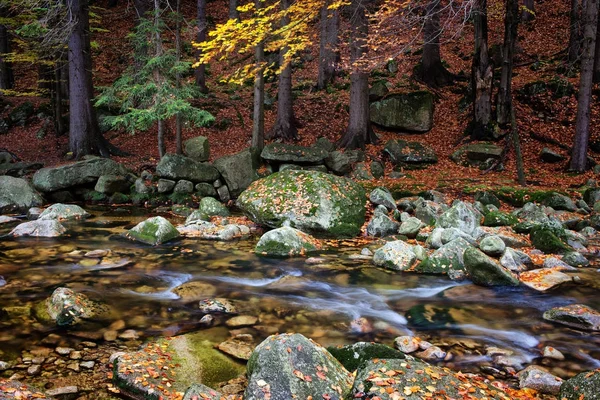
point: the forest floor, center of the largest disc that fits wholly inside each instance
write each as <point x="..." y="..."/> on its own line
<point x="325" y="113"/>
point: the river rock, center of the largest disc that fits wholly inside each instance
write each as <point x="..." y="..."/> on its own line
<point x="381" y="225"/>
<point x="382" y="196"/>
<point x="75" y="174"/>
<point x="313" y="202"/>
<point x="548" y="239"/>
<point x="485" y="271"/>
<point x="60" y="212"/>
<point x="211" y="207"/>
<point x="109" y="184"/>
<point x="575" y="259"/>
<point x="209" y="231"/>
<point x="462" y="216"/>
<point x="410" y="227"/>
<point x="199" y="391"/>
<point x="17" y="195"/>
<point x="514" y="261"/>
<point x="286" y="242"/>
<point x="217" y="306"/>
<point x="578" y="316"/>
<point x="396" y="255"/>
<point x="499" y="218"/>
<point x="544" y="279"/>
<point x="407" y="111"/>
<point x="194" y="291"/>
<point x="537" y="378"/>
<point x="287" y="366"/>
<point x="197" y="148"/>
<point x="290" y="153"/>
<point x="67" y="308"/>
<point x="47" y="228"/>
<point x="240" y="346"/>
<point x="153" y="231"/>
<point x="238" y="171"/>
<point x="404" y="379"/>
<point x="183" y="186"/>
<point x="188" y="359"/>
<point x="492" y="245"/>
<point x="428" y="211"/>
<point x="409" y="155"/>
<point x="448" y="259"/>
<point x="5" y="219"/>
<point x="585" y="386"/>
<point x="176" y="167"/>
<point x="560" y="202"/>
<point x="353" y="355"/>
<point x="13" y="389"/>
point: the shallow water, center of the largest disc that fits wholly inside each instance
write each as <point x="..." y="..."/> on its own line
<point x="288" y="295"/>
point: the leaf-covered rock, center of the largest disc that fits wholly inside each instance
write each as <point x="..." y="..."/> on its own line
<point x="314" y="202"/>
<point x="577" y="316"/>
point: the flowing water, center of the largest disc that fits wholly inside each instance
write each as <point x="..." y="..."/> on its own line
<point x="287" y="295"/>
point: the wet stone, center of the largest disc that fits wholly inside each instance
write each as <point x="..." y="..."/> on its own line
<point x="537" y="378"/>
<point x="64" y="351"/>
<point x="407" y="344"/>
<point x="241" y="320"/>
<point x="62" y="391"/>
<point x="87" y="364"/>
<point x="551" y="352"/>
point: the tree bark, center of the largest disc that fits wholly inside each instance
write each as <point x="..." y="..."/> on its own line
<point x="431" y="71"/>
<point x="6" y="73"/>
<point x="84" y="133"/>
<point x="596" y="77"/>
<point x="57" y="98"/>
<point x="574" y="32"/>
<point x="582" y="124"/>
<point x="528" y="11"/>
<point x="482" y="75"/>
<point x="504" y="102"/>
<point x="329" y="56"/>
<point x="158" y="50"/>
<point x="178" y="119"/>
<point x="517" y="146"/>
<point x="359" y="132"/>
<point x="258" y="117"/>
<point x="233" y="12"/>
<point x="201" y="37"/>
<point x="285" y="124"/>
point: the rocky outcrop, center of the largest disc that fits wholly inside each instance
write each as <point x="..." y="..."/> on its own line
<point x="17" y="195"/>
<point x="408" y="112"/>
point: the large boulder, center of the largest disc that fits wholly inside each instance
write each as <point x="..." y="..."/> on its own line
<point x="109" y="184"/>
<point x="461" y="216"/>
<point x="577" y="316"/>
<point x="286" y="242"/>
<point x="47" y="228"/>
<point x="153" y="231"/>
<point x="176" y="167"/>
<point x="164" y="367"/>
<point x="75" y="174"/>
<point x="61" y="212"/>
<point x="17" y="195"/>
<point x="397" y="255"/>
<point x="291" y="153"/>
<point x="409" y="155"/>
<point x="197" y="148"/>
<point x="448" y="259"/>
<point x="407" y="111"/>
<point x="585" y="386"/>
<point x="411" y="379"/>
<point x="477" y="155"/>
<point x="238" y="171"/>
<point x="290" y="366"/>
<point x="311" y="201"/>
<point x="485" y="271"/>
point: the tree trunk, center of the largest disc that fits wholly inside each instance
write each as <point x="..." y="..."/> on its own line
<point x="582" y="124"/>
<point x="142" y="7"/>
<point x="84" y="134"/>
<point x="482" y="75"/>
<point x="258" y="117"/>
<point x="528" y="11"/>
<point x="596" y="78"/>
<point x="359" y="130"/>
<point x="6" y="73"/>
<point x="329" y="56"/>
<point x="504" y="102"/>
<point x="233" y="12"/>
<point x="158" y="50"/>
<point x="517" y="146"/>
<point x="57" y="99"/>
<point x="285" y="125"/>
<point x="178" y="119"/>
<point x="432" y="72"/>
<point x="574" y="32"/>
<point x="201" y="37"/>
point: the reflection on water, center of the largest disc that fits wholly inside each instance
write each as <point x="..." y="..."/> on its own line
<point x="318" y="300"/>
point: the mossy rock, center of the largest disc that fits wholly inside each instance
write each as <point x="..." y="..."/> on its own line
<point x="153" y="231"/>
<point x="548" y="240"/>
<point x="499" y="218"/>
<point x="354" y="355"/>
<point x="583" y="386"/>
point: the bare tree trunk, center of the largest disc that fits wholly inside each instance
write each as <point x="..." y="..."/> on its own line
<point x="178" y="119"/>
<point x="142" y="7"/>
<point x="517" y="146"/>
<point x="258" y="117"/>
<point x="528" y="11"/>
<point x="359" y="131"/>
<point x="504" y="103"/>
<point x="596" y="78"/>
<point x="158" y="77"/>
<point x="432" y="71"/>
<point x="233" y="12"/>
<point x="6" y="73"/>
<point x="329" y="56"/>
<point x="582" y="124"/>
<point x="201" y="37"/>
<point x="84" y="134"/>
<point x="482" y="75"/>
<point x="574" y="32"/>
<point x="57" y="98"/>
<point x="285" y="125"/>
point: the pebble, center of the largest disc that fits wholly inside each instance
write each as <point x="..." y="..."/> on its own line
<point x="51" y="339"/>
<point x="90" y="345"/>
<point x="241" y="320"/>
<point x="117" y="325"/>
<point x="34" y="370"/>
<point x="38" y="360"/>
<point x="75" y="355"/>
<point x="207" y="319"/>
<point x="551" y="352"/>
<point x="61" y="391"/>
<point x="64" y="351"/>
<point x="74" y="366"/>
<point x="431" y="354"/>
<point x="97" y="253"/>
<point x="110" y="336"/>
<point x="537" y="378"/>
<point x="315" y="260"/>
<point x="129" y="334"/>
<point x="407" y="344"/>
<point x="4" y="365"/>
<point x="87" y="364"/>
